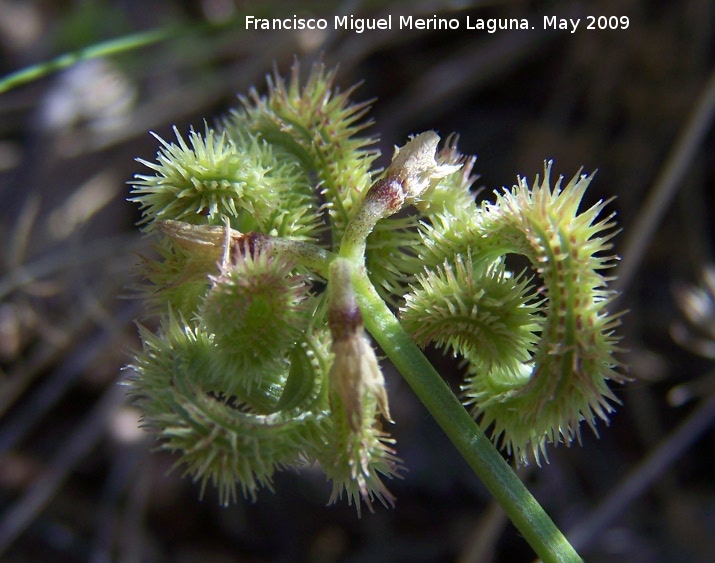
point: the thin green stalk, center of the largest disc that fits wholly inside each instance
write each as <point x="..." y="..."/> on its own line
<point x="98" y="50"/>
<point x="518" y="503"/>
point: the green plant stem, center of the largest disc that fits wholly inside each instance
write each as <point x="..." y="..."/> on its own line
<point x="98" y="50"/>
<point x="518" y="503"/>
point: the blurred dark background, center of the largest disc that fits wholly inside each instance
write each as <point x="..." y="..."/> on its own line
<point x="78" y="481"/>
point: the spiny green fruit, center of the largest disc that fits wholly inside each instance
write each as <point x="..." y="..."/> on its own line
<point x="478" y="311"/>
<point x="272" y="228"/>
<point x="229" y="444"/>
<point x="318" y="125"/>
<point x="214" y="175"/>
<point x="555" y="381"/>
<point x="257" y="311"/>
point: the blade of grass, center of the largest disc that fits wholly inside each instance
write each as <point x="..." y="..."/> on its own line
<point x="103" y="49"/>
